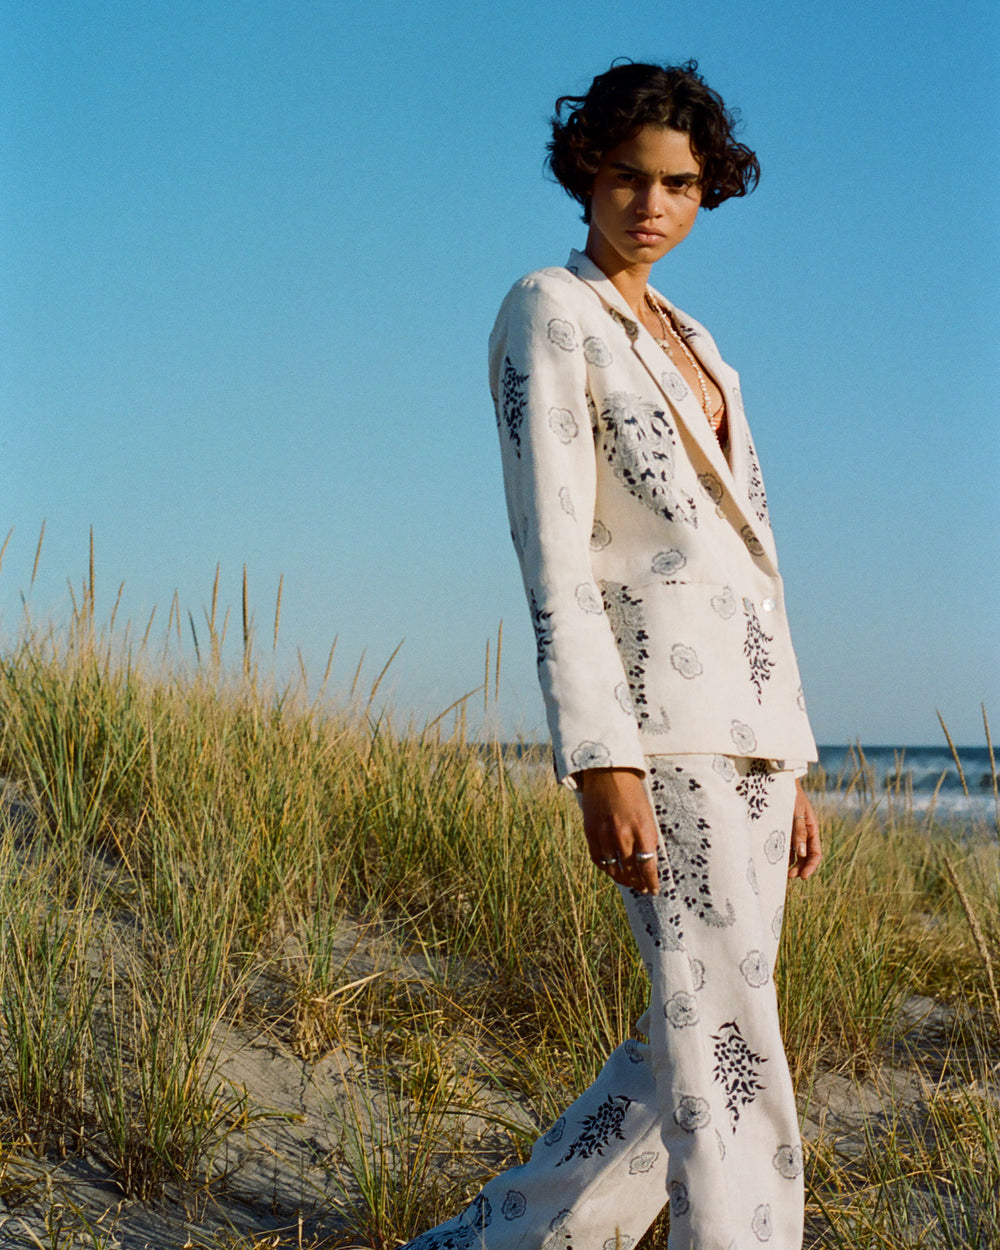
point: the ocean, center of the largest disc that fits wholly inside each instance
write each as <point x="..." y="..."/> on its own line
<point x="924" y="780"/>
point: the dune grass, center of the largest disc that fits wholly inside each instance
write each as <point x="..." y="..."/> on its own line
<point x="175" y="838"/>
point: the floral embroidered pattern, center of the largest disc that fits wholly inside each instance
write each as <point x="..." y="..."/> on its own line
<point x="666" y="563"/>
<point x="697" y="973"/>
<point x="712" y="487"/>
<point x="679" y="806"/>
<point x="599" y="1129"/>
<point x="566" y="502"/>
<point x="754" y="969"/>
<point x="628" y="624"/>
<point x="540" y="624"/>
<point x="591" y="755"/>
<point x="626" y="323"/>
<point x="761" y="1222"/>
<point x="774" y="847"/>
<point x="752" y="877"/>
<point x="755" y="650"/>
<point x="724" y="603"/>
<point x="743" y="736"/>
<point x="596" y="352"/>
<point x="633" y="1050"/>
<point x="737" y="1069"/>
<point x="562" y="333"/>
<point x="788" y="1162"/>
<point x="685" y="661"/>
<point x="600" y="536"/>
<point x="624" y="697"/>
<point x="681" y="1009"/>
<point x="752" y="541"/>
<point x="512" y="403"/>
<point x="514" y="1205"/>
<point x="588" y="599"/>
<point x="642" y="1163"/>
<point x="563" y="424"/>
<point x="777" y="920"/>
<point x="555" y="1133"/>
<point x="724" y="766"/>
<point x="674" y="385"/>
<point x="680" y="1204"/>
<point x="692" y="1113"/>
<point x="638" y="442"/>
<point x="753" y="787"/>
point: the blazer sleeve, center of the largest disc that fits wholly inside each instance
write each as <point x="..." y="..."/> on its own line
<point x="538" y="377"/>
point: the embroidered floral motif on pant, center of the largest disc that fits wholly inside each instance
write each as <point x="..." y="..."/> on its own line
<point x="598" y="1129"/>
<point x="679" y="808"/>
<point x="752" y="788"/>
<point x="737" y="1069"/>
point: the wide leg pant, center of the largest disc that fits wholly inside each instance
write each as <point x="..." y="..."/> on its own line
<point x="703" y="1115"/>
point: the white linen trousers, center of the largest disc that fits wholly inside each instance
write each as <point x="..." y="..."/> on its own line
<point x="703" y="1114"/>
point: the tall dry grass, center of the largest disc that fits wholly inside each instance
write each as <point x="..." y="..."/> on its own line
<point x="175" y="838"/>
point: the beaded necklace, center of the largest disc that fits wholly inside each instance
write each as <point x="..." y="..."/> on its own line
<point x="670" y="330"/>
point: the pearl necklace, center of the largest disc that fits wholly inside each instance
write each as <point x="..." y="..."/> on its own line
<point x="668" y="327"/>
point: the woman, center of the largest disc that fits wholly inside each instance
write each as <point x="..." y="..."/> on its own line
<point x="638" y="513"/>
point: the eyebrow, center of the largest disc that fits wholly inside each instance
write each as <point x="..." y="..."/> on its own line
<point x="680" y="176"/>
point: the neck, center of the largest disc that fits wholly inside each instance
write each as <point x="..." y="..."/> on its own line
<point x="630" y="281"/>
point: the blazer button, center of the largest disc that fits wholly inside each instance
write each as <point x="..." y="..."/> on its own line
<point x="767" y="605"/>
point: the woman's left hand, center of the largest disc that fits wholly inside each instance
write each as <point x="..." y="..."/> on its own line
<point x="806" y="850"/>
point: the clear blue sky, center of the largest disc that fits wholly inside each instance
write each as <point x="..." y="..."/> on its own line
<point x="252" y="252"/>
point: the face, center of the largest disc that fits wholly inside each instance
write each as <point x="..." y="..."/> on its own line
<point x="644" y="199"/>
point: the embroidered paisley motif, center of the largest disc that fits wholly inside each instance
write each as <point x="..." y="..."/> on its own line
<point x="626" y="613"/>
<point x="680" y="815"/>
<point x="639" y="443"/>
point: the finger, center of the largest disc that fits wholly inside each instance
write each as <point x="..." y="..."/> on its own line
<point x="800" y="834"/>
<point x="811" y="862"/>
<point x="803" y="866"/>
<point x="640" y="871"/>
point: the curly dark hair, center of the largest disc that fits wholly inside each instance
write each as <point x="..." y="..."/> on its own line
<point x="632" y="95"/>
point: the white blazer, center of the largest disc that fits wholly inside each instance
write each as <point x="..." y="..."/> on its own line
<point x="647" y="555"/>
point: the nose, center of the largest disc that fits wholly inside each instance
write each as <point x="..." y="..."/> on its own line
<point x="651" y="201"/>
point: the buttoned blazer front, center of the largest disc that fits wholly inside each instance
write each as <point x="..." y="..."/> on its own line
<point x="647" y="554"/>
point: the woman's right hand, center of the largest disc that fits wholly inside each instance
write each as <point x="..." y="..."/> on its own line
<point x="620" y="826"/>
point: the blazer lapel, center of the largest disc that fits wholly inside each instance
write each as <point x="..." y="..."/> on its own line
<point x="684" y="405"/>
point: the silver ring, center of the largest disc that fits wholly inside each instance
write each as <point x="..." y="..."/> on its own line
<point x="642" y="856"/>
<point x="603" y="863"/>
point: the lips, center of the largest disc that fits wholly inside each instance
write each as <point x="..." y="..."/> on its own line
<point x="646" y="236"/>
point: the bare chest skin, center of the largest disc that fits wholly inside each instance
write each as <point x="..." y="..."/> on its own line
<point x="679" y="360"/>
